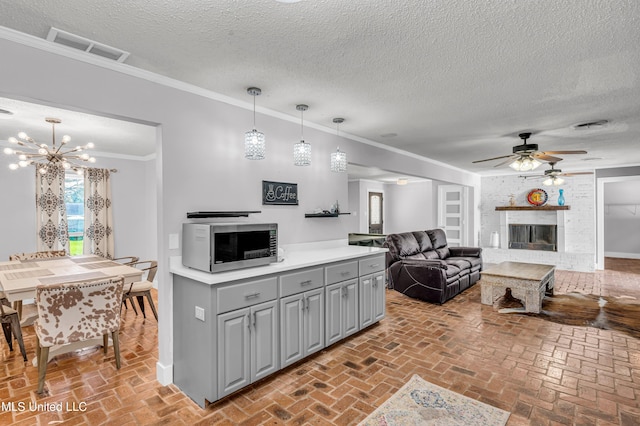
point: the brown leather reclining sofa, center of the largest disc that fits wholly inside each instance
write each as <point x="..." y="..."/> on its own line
<point x="421" y="265"/>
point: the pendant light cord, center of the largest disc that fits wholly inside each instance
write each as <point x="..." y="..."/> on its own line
<point x="301" y="124"/>
<point x="254" y="112"/>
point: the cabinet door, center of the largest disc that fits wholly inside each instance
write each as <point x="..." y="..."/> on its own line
<point x="313" y="321"/>
<point x="291" y="329"/>
<point x="379" y="296"/>
<point x="264" y="340"/>
<point x="366" y="301"/>
<point x="334" y="313"/>
<point x="350" y="306"/>
<point x="234" y="351"/>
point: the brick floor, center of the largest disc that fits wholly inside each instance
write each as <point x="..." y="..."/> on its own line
<point x="543" y="373"/>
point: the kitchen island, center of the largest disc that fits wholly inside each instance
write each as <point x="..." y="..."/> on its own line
<point x="236" y="327"/>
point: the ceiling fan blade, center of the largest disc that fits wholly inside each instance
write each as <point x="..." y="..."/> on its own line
<point x="494" y="158"/>
<point x="576" y="173"/>
<point x="531" y="176"/>
<point x="548" y="158"/>
<point x="563" y="152"/>
<point x="508" y="160"/>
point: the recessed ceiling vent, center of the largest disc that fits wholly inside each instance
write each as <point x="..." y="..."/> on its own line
<point x="591" y="125"/>
<point x="81" y="43"/>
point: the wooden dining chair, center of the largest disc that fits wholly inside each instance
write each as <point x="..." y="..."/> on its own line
<point x="11" y="324"/>
<point x="126" y="260"/>
<point x="142" y="289"/>
<point x="52" y="254"/>
<point x="75" y="312"/>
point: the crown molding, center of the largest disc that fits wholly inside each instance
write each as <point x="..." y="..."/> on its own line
<point x="47" y="46"/>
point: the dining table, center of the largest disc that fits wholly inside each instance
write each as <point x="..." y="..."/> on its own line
<point x="19" y="279"/>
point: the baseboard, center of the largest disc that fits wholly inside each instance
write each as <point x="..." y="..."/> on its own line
<point x="164" y="374"/>
<point x="622" y="255"/>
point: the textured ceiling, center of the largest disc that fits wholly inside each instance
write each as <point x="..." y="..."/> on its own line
<point x="454" y="80"/>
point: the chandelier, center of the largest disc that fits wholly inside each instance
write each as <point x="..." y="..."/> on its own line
<point x="43" y="155"/>
<point x="254" y="142"/>
<point x="338" y="158"/>
<point x="302" y="150"/>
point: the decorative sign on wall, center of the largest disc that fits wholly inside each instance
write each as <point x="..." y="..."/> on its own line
<point x="281" y="193"/>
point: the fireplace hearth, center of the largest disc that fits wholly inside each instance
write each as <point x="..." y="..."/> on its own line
<point x="533" y="237"/>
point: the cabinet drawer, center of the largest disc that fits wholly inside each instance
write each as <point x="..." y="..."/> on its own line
<point x="242" y="295"/>
<point x="341" y="272"/>
<point x="372" y="264"/>
<point x="300" y="281"/>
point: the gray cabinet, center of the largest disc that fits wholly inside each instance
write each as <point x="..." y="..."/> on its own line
<point x="372" y="299"/>
<point x="301" y="325"/>
<point x="247" y="346"/>
<point x="245" y="329"/>
<point x="342" y="310"/>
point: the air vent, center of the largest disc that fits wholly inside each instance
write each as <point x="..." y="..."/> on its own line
<point x="80" y="43"/>
<point x="598" y="124"/>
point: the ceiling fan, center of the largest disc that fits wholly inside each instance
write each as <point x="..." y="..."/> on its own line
<point x="553" y="175"/>
<point x="526" y="157"/>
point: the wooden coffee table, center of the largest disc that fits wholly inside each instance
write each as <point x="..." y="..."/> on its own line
<point x="528" y="282"/>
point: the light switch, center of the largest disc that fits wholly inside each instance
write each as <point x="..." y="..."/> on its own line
<point x="199" y="313"/>
<point x="174" y="241"/>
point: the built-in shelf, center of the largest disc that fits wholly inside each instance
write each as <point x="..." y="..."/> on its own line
<point x="324" y="214"/>
<point x="548" y="208"/>
<point x="197" y="215"/>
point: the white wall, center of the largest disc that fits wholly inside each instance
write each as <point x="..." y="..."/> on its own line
<point x="410" y="207"/>
<point x="130" y="209"/>
<point x="199" y="163"/>
<point x="622" y="219"/>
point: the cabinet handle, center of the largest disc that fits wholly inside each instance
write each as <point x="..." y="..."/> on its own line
<point x="344" y="292"/>
<point x="254" y="320"/>
<point x="307" y="282"/>
<point x="375" y="265"/>
<point x="345" y="273"/>
<point x="252" y="295"/>
<point x="249" y="321"/>
<point x="307" y="304"/>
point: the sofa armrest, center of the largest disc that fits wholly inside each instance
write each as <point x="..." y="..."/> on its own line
<point x="420" y="279"/>
<point x="465" y="251"/>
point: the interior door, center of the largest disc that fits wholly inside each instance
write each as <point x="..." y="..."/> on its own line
<point x="375" y="213"/>
<point x="452" y="213"/>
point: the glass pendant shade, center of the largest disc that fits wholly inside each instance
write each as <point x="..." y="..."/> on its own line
<point x="524" y="164"/>
<point x="553" y="181"/>
<point x="254" y="145"/>
<point x="254" y="141"/>
<point x="338" y="161"/>
<point x="302" y="150"/>
<point x="302" y="154"/>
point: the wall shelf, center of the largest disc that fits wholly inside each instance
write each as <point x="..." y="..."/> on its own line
<point x="196" y="215"/>
<point x="324" y="214"/>
<point x="546" y="208"/>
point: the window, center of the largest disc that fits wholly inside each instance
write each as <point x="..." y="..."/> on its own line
<point x="74" y="200"/>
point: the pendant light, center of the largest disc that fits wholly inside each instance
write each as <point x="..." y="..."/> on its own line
<point x="254" y="141"/>
<point x="338" y="158"/>
<point x="302" y="150"/>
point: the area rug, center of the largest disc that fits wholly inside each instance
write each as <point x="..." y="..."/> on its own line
<point x="419" y="402"/>
<point x="620" y="313"/>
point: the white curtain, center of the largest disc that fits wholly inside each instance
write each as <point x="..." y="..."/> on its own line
<point x="51" y="212"/>
<point x="98" y="218"/>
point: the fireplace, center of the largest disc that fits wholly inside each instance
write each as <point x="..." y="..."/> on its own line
<point x="533" y="237"/>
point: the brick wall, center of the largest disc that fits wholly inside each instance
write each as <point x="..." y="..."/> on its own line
<point x="580" y="223"/>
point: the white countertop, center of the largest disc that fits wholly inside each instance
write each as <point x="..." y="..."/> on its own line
<point x="296" y="256"/>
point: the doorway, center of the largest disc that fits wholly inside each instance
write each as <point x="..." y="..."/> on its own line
<point x="452" y="213"/>
<point x="375" y="213"/>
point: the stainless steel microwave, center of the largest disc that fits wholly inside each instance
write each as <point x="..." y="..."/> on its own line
<point x="218" y="247"/>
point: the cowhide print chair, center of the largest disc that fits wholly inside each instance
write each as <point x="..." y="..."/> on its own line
<point x="142" y="289"/>
<point x="17" y="305"/>
<point x="75" y="312"/>
<point x="11" y="323"/>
